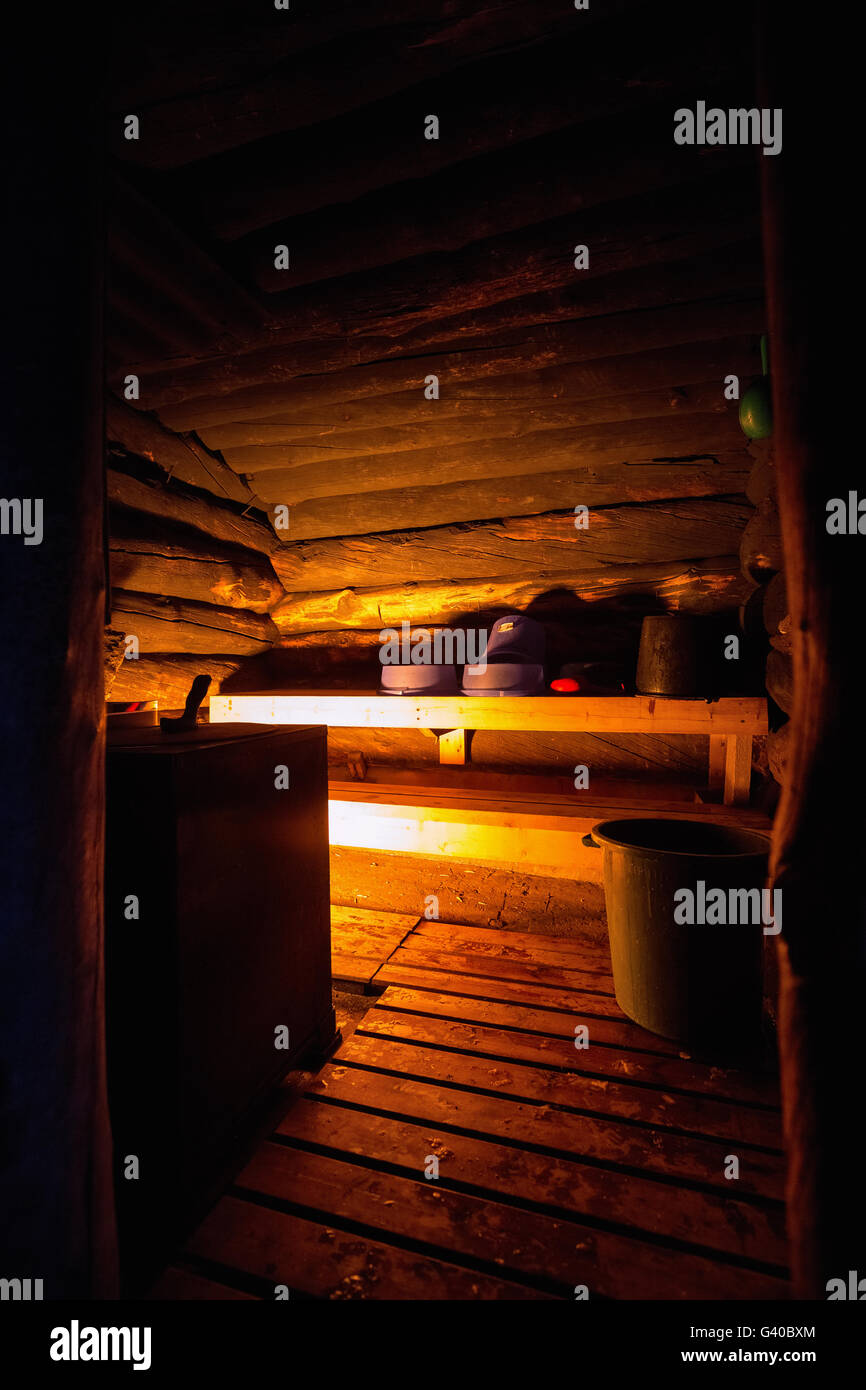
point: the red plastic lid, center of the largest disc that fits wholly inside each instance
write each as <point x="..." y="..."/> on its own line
<point x="566" y="684"/>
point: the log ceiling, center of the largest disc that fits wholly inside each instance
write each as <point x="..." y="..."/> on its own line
<point x="411" y="258"/>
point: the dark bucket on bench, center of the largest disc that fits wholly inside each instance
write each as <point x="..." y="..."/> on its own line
<point x="675" y="973"/>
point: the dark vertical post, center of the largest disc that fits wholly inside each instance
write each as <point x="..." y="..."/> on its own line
<point x="813" y="251"/>
<point x="55" y="1163"/>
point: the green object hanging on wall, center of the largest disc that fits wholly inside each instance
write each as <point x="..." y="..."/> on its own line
<point x="756" y="406"/>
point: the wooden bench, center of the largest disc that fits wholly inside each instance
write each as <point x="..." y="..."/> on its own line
<point x="730" y="724"/>
<point x="539" y="834"/>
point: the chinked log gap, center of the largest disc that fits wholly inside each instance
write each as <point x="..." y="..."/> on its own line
<point x="818" y="840"/>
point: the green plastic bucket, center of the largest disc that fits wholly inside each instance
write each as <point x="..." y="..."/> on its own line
<point x="697" y="981"/>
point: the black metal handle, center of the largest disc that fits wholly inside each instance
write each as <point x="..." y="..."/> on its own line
<point x="187" y="720"/>
<point x="590" y="842"/>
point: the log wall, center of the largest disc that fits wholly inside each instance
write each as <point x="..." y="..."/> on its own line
<point x="309" y="388"/>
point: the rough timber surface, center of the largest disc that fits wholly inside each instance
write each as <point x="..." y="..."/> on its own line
<point x="557" y="1167"/>
<point x="362" y="941"/>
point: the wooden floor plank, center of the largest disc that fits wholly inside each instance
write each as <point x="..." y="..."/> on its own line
<point x="577" y="952"/>
<point x="352" y="970"/>
<point x="473" y="1060"/>
<point x="568" y="1001"/>
<point x="641" y="1205"/>
<point x="367" y="941"/>
<point x="363" y="939"/>
<point x="474" y="964"/>
<point x="608" y="1166"/>
<point x="368" y="918"/>
<point x="555" y="1254"/>
<point x="549" y="1023"/>
<point x="371" y="939"/>
<point x="406" y="1013"/>
<point x="511" y="1103"/>
<point x="323" y="1262"/>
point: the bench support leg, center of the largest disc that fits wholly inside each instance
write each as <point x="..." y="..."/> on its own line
<point x="452" y="746"/>
<point x="716" y="769"/>
<point x="738" y="769"/>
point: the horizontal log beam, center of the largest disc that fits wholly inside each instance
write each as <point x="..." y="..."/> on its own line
<point x="144" y="326"/>
<point x="167" y="678"/>
<point x="403" y="508"/>
<point x="359" y="65"/>
<point x="488" y="453"/>
<point x="644" y="253"/>
<point x="562" y="82"/>
<point x="167" y="500"/>
<point x="179" y="625"/>
<point x="488" y="282"/>
<point x="654" y="531"/>
<point x="157" y="558"/>
<point x="187" y="312"/>
<point x="705" y="586"/>
<point x="232" y="48"/>
<point x="548" y="396"/>
<point x="547" y="451"/>
<point x="481" y="199"/>
<point x="556" y="346"/>
<point x="655" y="264"/>
<point x="463" y="421"/>
<point x="186" y="459"/>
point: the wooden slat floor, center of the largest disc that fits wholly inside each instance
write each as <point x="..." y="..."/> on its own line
<point x="558" y="1168"/>
<point x="362" y="940"/>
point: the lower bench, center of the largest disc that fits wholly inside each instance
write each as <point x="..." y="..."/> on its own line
<point x="541" y="834"/>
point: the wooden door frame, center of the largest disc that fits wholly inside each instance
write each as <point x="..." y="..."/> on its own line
<point x="811" y="243"/>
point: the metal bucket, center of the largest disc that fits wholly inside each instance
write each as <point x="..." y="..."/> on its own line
<point x="698" y="982"/>
<point x="667" y="662"/>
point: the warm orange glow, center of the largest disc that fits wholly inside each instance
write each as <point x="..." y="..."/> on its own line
<point x="540" y="844"/>
<point x="625" y="714"/>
